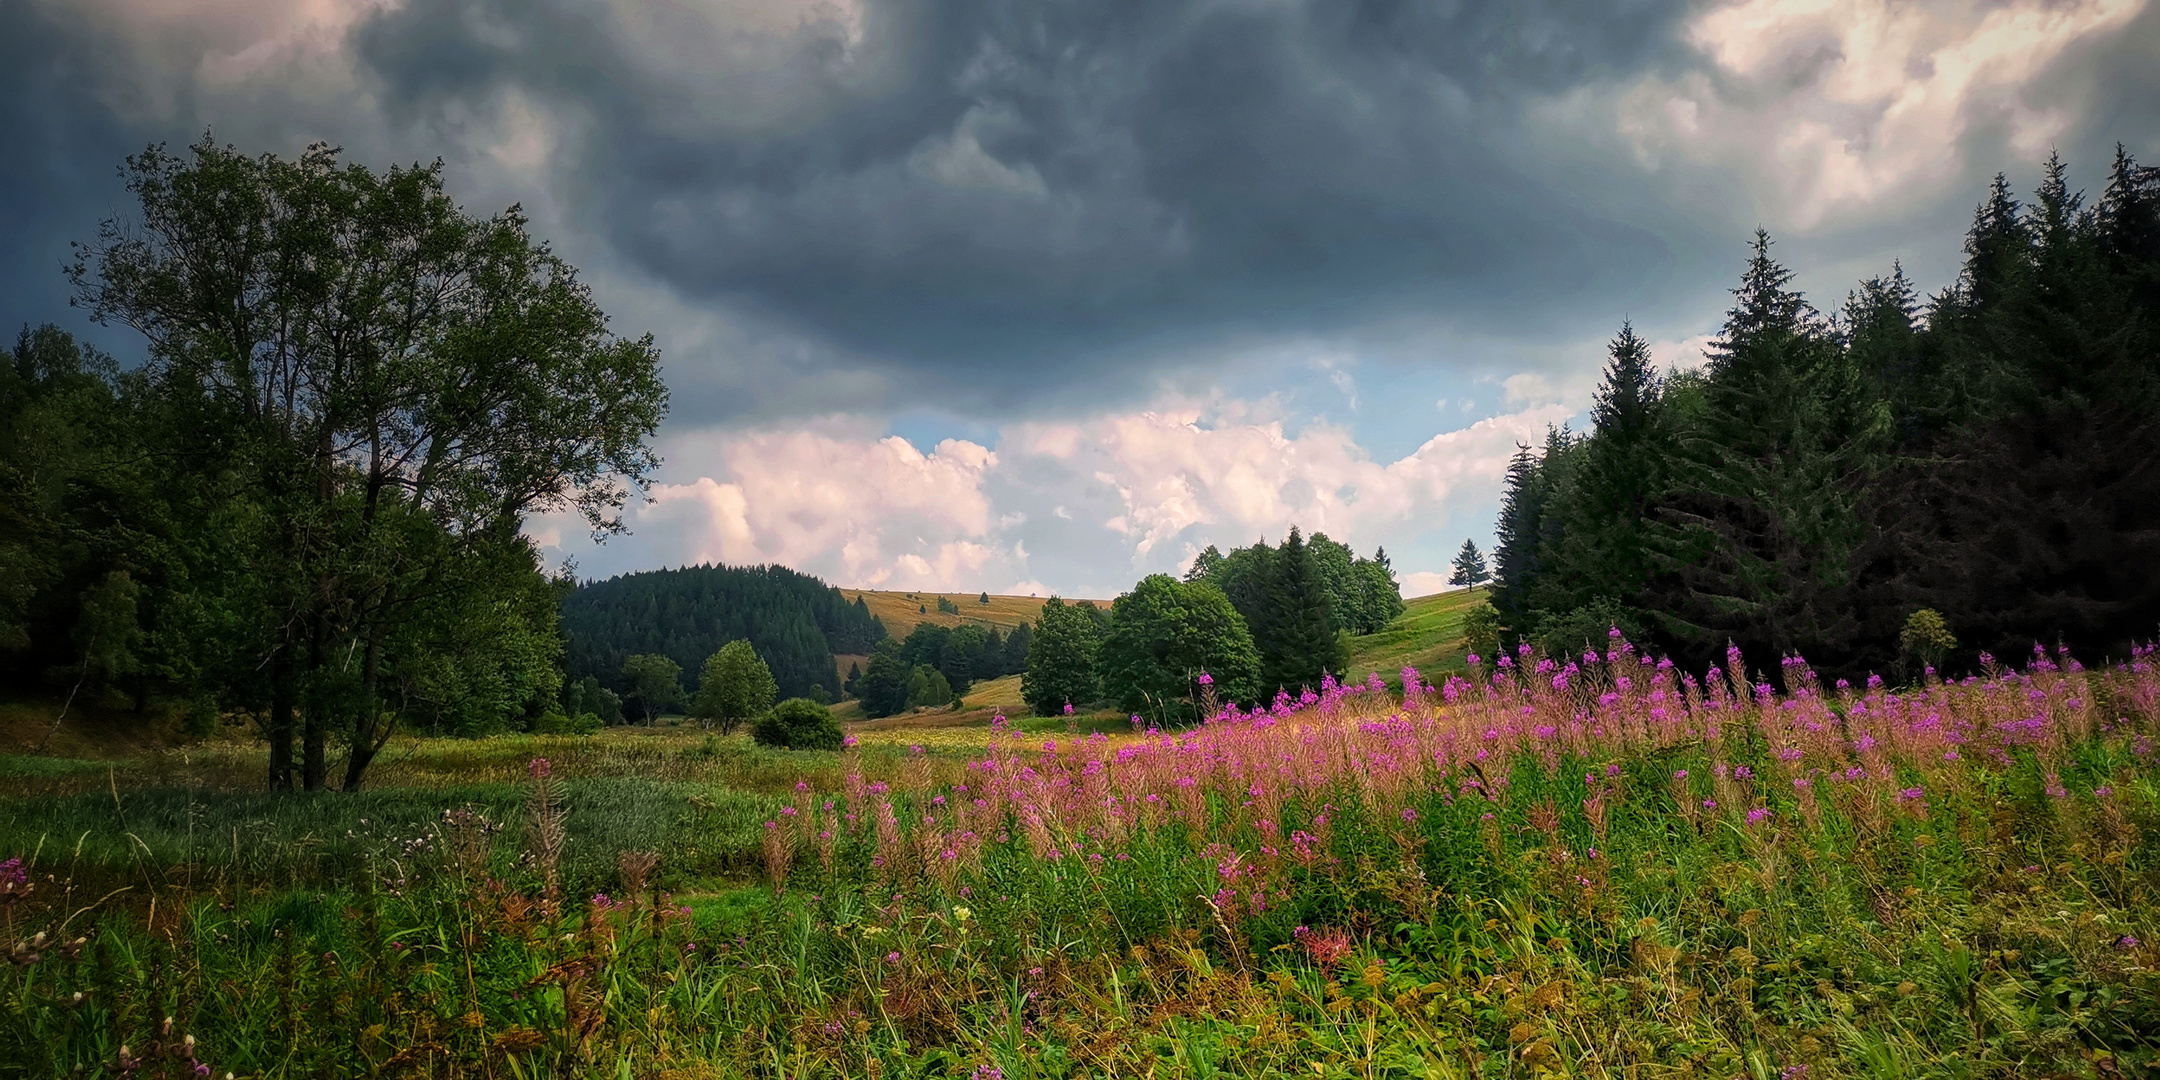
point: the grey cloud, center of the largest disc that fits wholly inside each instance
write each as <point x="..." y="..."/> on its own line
<point x="997" y="199"/>
<point x="1012" y="205"/>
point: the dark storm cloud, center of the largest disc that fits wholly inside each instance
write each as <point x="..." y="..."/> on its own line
<point x="57" y="171"/>
<point x="1004" y="204"/>
<point x="1003" y="194"/>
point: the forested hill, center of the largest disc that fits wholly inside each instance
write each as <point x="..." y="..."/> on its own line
<point x="795" y="621"/>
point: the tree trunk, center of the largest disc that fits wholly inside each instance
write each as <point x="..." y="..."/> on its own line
<point x="281" y="718"/>
<point x="367" y="741"/>
<point x="314" y="741"/>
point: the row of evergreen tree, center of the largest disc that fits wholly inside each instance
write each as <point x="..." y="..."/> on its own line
<point x="1362" y="595"/>
<point x="1990" y="453"/>
<point x="795" y="622"/>
<point x="1258" y="621"/>
<point x="937" y="665"/>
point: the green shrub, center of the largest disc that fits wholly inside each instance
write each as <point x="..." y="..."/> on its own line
<point x="555" y="723"/>
<point x="798" y="724"/>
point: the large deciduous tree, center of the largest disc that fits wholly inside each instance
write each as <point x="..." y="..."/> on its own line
<point x="1061" y="658"/>
<point x="655" y="682"/>
<point x="399" y="382"/>
<point x="733" y="685"/>
<point x="1164" y="635"/>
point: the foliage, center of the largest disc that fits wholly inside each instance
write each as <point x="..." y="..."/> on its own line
<point x="956" y="655"/>
<point x="733" y="685"/>
<point x="928" y="688"/>
<point x="655" y="683"/>
<point x="1469" y="568"/>
<point x="1062" y="658"/>
<point x="1293" y="622"/>
<point x="354" y="393"/>
<point x="794" y="621"/>
<point x="1481" y="631"/>
<point x="798" y="724"/>
<point x="1982" y="455"/>
<point x="1926" y="637"/>
<point x="1362" y="594"/>
<point x="1165" y="636"/>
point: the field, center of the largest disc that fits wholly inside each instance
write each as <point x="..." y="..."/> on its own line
<point x="1596" y="868"/>
<point x="900" y="611"/>
<point x="1428" y="636"/>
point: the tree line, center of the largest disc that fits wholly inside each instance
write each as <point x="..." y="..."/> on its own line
<point x="1240" y="627"/>
<point x="937" y="665"/>
<point x="1900" y="480"/>
<point x="795" y="622"/>
<point x="303" y="508"/>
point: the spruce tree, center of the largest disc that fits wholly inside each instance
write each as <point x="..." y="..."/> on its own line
<point x="1470" y="569"/>
<point x="1756" y="540"/>
<point x="1599" y="555"/>
<point x="1520" y="530"/>
<point x="2038" y="514"/>
<point x="1302" y="646"/>
<point x="1998" y="249"/>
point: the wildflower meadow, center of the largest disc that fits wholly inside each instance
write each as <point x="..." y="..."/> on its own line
<point x="1584" y="867"/>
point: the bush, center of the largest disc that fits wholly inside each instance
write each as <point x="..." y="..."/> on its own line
<point x="798" y="724"/>
<point x="552" y="722"/>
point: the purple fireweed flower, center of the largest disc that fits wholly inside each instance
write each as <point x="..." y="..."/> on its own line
<point x="1206" y="679"/>
<point x="1910" y="794"/>
<point x="1680" y="775"/>
<point x="1068" y="708"/>
<point x="892" y="958"/>
<point x="1757" y="816"/>
<point x="987" y="1072"/>
<point x="1709" y="804"/>
<point x="12" y="873"/>
<point x="2126" y="942"/>
<point x="539" y="769"/>
<point x="848" y="742"/>
<point x="1409" y="814"/>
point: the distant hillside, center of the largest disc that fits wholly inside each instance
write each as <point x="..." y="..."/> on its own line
<point x="900" y="611"/>
<point x="795" y="621"/>
<point x="1428" y="636"/>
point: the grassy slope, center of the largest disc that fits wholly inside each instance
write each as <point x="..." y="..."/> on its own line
<point x="1428" y="636"/>
<point x="899" y="611"/>
<point x="900" y="614"/>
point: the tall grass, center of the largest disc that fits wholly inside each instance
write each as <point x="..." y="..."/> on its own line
<point x="1596" y="867"/>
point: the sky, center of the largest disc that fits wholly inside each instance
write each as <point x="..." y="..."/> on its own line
<point x="1041" y="297"/>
